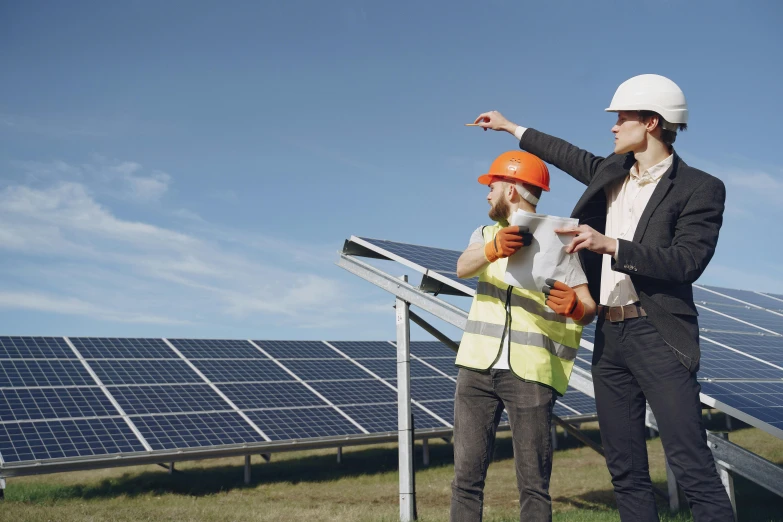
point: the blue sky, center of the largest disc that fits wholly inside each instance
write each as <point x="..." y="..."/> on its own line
<point x="192" y="168"/>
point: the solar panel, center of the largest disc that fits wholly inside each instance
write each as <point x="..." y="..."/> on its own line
<point x="443" y="409"/>
<point x="752" y="402"/>
<point x="379" y="418"/>
<point x="438" y="265"/>
<point x="298" y="350"/>
<point x="325" y="369"/>
<point x="144" y="371"/>
<point x="231" y="370"/>
<point x="35" y="348"/>
<point x="368" y="391"/>
<point x="35" y="441"/>
<point x="445" y="365"/>
<point x="136" y="400"/>
<point x="431" y="388"/>
<point x="387" y="368"/>
<point x="217" y="349"/>
<point x="302" y="423"/>
<point x="255" y="395"/>
<point x="54" y="372"/>
<point x="168" y="432"/>
<point x="746" y="296"/>
<point x="122" y="348"/>
<point x="573" y="403"/>
<point x="365" y="349"/>
<point x="426" y="349"/>
<point x="54" y="403"/>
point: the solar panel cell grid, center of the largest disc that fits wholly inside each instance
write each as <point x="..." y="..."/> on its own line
<point x="754" y="298"/>
<point x="298" y="350"/>
<point x="41" y="440"/>
<point x="217" y="349"/>
<point x="431" y="389"/>
<point x="431" y="349"/>
<point x="122" y="348"/>
<point x="355" y="392"/>
<point x="249" y="396"/>
<point x="144" y="372"/>
<point x="303" y="423"/>
<point x="136" y="400"/>
<point x="325" y="369"/>
<point x="387" y="368"/>
<point x="43" y="373"/>
<point x="35" y="348"/>
<point x="54" y="403"/>
<point x="229" y="370"/>
<point x="444" y="364"/>
<point x="365" y="349"/>
<point x="443" y="409"/>
<point x="195" y="430"/>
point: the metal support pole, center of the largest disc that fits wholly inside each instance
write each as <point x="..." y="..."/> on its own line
<point x="404" y="431"/>
<point x="171" y="468"/>
<point x="267" y="457"/>
<point x="2" y="489"/>
<point x="727" y="478"/>
<point x="676" y="496"/>
<point x="425" y="452"/>
<point x="554" y="437"/>
<point x="728" y="422"/>
<point x="247" y="469"/>
<point x="339" y="454"/>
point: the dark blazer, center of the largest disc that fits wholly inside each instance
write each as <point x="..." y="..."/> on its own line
<point x="674" y="240"/>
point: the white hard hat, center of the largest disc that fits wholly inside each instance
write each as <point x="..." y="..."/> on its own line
<point x="652" y="92"/>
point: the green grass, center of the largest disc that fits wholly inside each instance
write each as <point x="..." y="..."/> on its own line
<point x="311" y="486"/>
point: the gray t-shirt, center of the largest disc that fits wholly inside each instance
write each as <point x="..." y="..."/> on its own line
<point x="575" y="275"/>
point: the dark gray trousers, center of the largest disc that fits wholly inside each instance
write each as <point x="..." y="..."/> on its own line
<point x="478" y="405"/>
<point x="632" y="363"/>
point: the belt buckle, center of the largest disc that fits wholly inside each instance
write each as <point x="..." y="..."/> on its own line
<point x="612" y="316"/>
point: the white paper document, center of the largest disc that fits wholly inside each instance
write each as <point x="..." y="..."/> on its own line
<point x="545" y="257"/>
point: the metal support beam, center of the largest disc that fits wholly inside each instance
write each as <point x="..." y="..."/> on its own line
<point x="171" y="468"/>
<point x="742" y="462"/>
<point x="404" y="424"/>
<point x="437" y="334"/>
<point x="425" y="452"/>
<point x="401" y="289"/>
<point x="2" y="489"/>
<point x="339" y="454"/>
<point x="727" y="479"/>
<point x="247" y="469"/>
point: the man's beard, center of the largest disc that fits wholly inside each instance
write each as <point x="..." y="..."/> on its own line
<point x="499" y="211"/>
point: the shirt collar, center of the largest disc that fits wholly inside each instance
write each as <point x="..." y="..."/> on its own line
<point x="653" y="174"/>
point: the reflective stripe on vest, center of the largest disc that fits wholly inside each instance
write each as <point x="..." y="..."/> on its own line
<point x="543" y="344"/>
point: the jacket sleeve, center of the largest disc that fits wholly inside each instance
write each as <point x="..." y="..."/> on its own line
<point x="695" y="239"/>
<point x="577" y="163"/>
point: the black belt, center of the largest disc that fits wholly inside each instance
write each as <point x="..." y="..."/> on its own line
<point x="616" y="314"/>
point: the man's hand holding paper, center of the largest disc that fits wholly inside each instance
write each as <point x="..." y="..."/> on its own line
<point x="546" y="257"/>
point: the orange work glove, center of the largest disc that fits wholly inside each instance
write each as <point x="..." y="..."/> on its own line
<point x="562" y="299"/>
<point x="507" y="241"/>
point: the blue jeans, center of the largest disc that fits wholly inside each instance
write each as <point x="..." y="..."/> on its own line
<point x="478" y="405"/>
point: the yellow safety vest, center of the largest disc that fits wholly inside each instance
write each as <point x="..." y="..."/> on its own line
<point x="543" y="344"/>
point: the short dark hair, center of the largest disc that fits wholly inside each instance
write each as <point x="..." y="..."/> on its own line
<point x="667" y="136"/>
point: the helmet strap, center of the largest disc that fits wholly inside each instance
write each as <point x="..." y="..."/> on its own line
<point x="526" y="195"/>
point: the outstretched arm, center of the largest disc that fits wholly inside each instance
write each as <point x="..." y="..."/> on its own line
<point x="578" y="163"/>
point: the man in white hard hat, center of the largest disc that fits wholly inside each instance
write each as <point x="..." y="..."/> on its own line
<point x="648" y="228"/>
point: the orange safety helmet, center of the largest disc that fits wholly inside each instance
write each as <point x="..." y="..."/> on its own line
<point x="518" y="166"/>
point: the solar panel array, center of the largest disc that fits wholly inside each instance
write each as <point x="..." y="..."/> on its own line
<point x="89" y="398"/>
<point x="741" y="337"/>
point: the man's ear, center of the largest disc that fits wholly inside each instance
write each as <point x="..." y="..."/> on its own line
<point x="652" y="122"/>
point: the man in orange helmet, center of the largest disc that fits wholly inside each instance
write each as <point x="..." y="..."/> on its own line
<point x="517" y="350"/>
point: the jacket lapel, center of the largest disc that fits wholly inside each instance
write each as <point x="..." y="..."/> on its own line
<point x="663" y="187"/>
<point x="606" y="178"/>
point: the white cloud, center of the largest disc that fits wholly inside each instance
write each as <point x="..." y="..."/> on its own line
<point x="122" y="179"/>
<point x="70" y="254"/>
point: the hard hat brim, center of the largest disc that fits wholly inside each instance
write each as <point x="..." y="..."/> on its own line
<point x="486" y="179"/>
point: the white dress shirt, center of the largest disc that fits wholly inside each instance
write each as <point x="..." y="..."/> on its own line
<point x="625" y="202"/>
